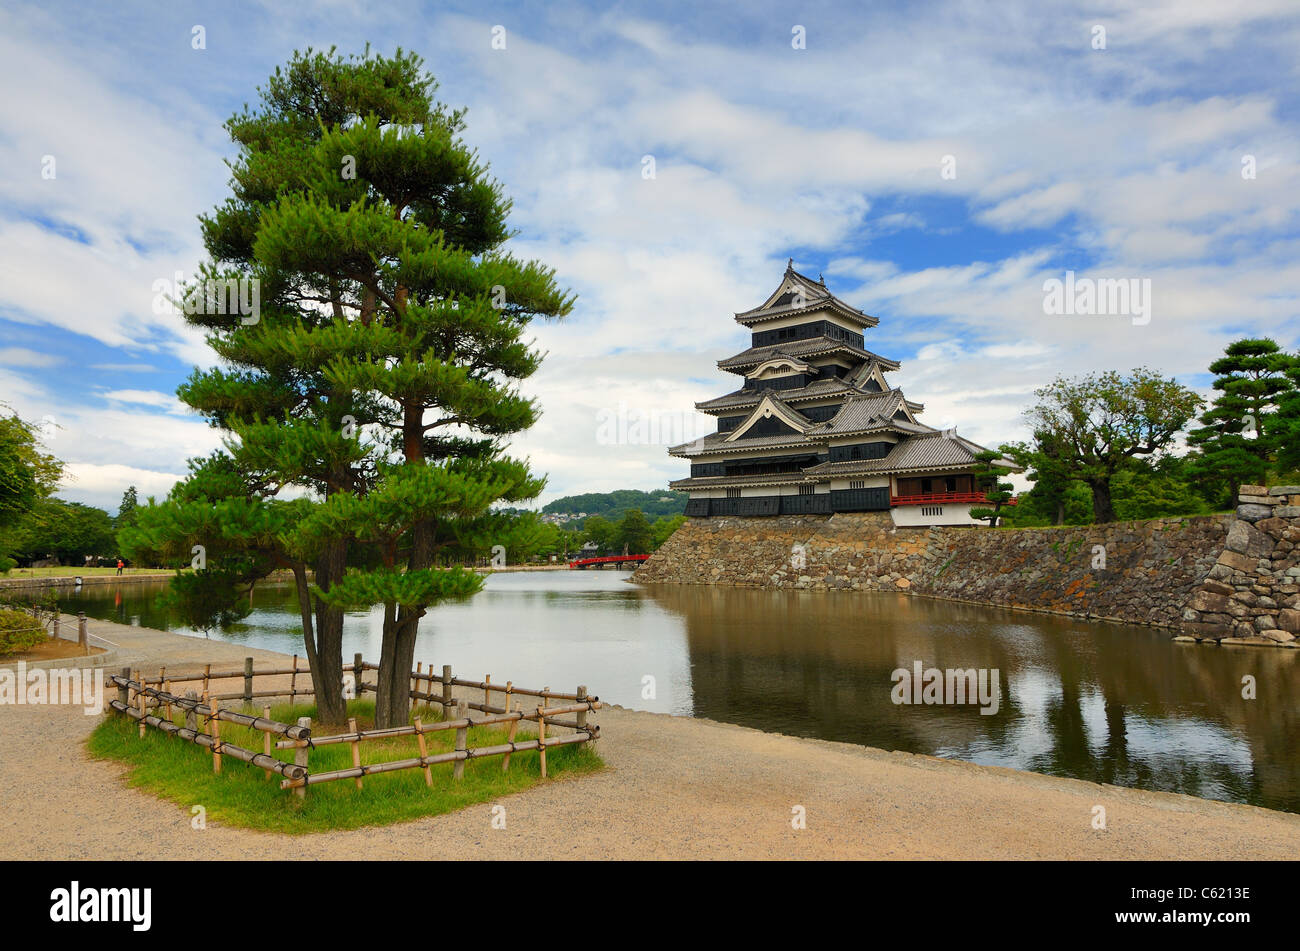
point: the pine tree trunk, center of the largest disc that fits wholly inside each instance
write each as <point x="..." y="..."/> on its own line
<point x="1102" y="509"/>
<point x="384" y="688"/>
<point x="327" y="668"/>
<point x="401" y="629"/>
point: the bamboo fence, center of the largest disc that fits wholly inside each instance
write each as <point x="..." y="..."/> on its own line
<point x="138" y="694"/>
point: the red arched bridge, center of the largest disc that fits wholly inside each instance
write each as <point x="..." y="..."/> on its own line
<point x="606" y="560"/>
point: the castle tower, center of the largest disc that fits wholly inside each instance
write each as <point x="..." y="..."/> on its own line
<point x="816" y="428"/>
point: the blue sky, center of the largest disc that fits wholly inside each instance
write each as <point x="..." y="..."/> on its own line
<point x="1117" y="162"/>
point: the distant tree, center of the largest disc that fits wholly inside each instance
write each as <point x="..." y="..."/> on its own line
<point x="70" y="531"/>
<point x="1241" y="432"/>
<point x="27" y="475"/>
<point x="126" y="510"/>
<point x="634" y="533"/>
<point x="612" y="505"/>
<point x="1146" y="492"/>
<point x="601" y="531"/>
<point x="663" y="528"/>
<point x="1051" y="479"/>
<point x="1099" y="422"/>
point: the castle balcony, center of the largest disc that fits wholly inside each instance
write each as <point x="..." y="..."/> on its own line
<point x="939" y="498"/>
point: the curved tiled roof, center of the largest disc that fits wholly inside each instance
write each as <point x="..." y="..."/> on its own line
<point x="818" y="389"/>
<point x="812" y="346"/>
<point x="717" y="442"/>
<point x="815" y="296"/>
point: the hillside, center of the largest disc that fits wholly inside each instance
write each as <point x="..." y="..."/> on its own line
<point x="612" y="505"/>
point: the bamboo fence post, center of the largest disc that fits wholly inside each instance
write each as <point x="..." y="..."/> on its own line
<point x="419" y="675"/>
<point x="487" y="692"/>
<point x="248" y="680"/>
<point x="509" y="687"/>
<point x="424" y="751"/>
<point x="214" y="728"/>
<point x="541" y="734"/>
<point x="83" y="637"/>
<point x="124" y="693"/>
<point x="581" y="718"/>
<point x="139" y="698"/>
<point x="446" y="689"/>
<point x="266" y="738"/>
<point x="56" y="626"/>
<point x="356" y="747"/>
<point x="462" y="709"/>
<point x="300" y="757"/>
<point x="510" y="738"/>
<point x="207" y="675"/>
<point x="167" y="689"/>
<point x="191" y="718"/>
<point x="293" y="681"/>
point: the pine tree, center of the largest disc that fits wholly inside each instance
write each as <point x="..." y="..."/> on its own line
<point x="381" y="371"/>
<point x="1240" y="432"/>
<point x="988" y="477"/>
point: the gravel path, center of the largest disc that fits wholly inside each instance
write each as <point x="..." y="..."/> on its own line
<point x="676" y="788"/>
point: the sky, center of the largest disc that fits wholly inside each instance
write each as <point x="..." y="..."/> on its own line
<point x="937" y="163"/>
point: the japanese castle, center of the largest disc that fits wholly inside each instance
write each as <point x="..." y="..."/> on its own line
<point x="815" y="428"/>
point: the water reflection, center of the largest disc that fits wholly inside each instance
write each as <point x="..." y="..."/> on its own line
<point x="1101" y="702"/>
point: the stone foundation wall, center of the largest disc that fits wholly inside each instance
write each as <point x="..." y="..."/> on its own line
<point x="1252" y="593"/>
<point x="1174" y="573"/>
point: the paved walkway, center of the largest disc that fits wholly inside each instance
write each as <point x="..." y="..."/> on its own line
<point x="676" y="788"/>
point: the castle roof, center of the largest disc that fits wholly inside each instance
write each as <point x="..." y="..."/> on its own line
<point x="811" y="347"/>
<point x="798" y="294"/>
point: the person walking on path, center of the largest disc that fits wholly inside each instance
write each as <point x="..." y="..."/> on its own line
<point x="119" y="566"/>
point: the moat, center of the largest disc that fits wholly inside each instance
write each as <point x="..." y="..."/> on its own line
<point x="1102" y="702"/>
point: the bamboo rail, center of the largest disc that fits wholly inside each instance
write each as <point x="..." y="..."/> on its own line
<point x="264" y="724"/>
<point x="464" y="723"/>
<point x="138" y="694"/>
<point x="290" y="771"/>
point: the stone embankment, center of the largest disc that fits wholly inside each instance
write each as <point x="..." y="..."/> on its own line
<point x="1213" y="576"/>
<point x="1252" y="594"/>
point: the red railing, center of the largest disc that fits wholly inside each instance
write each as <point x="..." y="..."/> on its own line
<point x="606" y="560"/>
<point x="938" y="498"/>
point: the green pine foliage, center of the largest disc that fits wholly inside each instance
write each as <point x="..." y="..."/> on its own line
<point x="377" y="383"/>
<point x="1249" y="422"/>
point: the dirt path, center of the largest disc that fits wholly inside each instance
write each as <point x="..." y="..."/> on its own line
<point x="676" y="788"/>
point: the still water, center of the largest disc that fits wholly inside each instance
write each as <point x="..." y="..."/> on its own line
<point x="1101" y="702"/>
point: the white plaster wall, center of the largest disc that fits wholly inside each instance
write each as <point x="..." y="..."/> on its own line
<point x="870" y="482"/>
<point x="953" y="514"/>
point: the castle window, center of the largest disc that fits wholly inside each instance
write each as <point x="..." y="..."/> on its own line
<point x="859" y="484"/>
<point x="733" y="493"/>
<point x="806" y="489"/>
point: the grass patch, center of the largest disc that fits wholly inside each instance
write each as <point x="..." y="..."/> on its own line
<point x="241" y="796"/>
<point x="64" y="572"/>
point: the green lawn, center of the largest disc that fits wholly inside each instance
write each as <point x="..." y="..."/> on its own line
<point x="241" y="796"/>
<point x="65" y="572"/>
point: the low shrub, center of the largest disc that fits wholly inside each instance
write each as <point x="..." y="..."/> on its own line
<point x="19" y="632"/>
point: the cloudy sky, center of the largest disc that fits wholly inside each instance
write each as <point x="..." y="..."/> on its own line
<point x="936" y="162"/>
